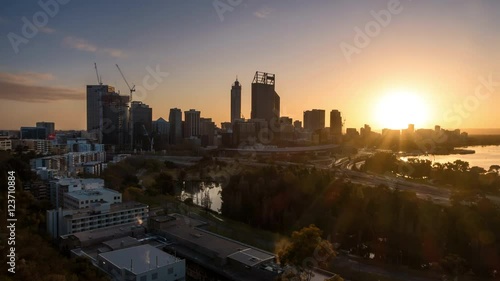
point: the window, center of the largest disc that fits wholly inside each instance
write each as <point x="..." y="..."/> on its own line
<point x="171" y="270"/>
<point x="154" y="276"/>
<point x="144" y="278"/>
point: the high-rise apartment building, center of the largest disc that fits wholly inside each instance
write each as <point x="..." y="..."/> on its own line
<point x="161" y="127"/>
<point x="191" y="123"/>
<point x="265" y="100"/>
<point x="207" y="131"/>
<point x="141" y="124"/>
<point x="314" y="120"/>
<point x="335" y="123"/>
<point x="175" y="120"/>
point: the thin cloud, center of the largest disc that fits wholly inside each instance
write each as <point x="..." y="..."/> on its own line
<point x="116" y="53"/>
<point x="22" y="87"/>
<point x="83" y="45"/>
<point x="263" y="13"/>
<point x="26" y="77"/>
<point x="79" y="44"/>
<point x="45" y="29"/>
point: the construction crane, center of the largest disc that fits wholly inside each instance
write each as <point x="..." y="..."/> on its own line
<point x="131" y="116"/>
<point x="99" y="78"/>
<point x="131" y="89"/>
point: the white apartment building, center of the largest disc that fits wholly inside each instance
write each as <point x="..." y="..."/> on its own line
<point x="85" y="198"/>
<point x="99" y="215"/>
<point x="5" y="144"/>
<point x="69" y="162"/>
<point x="142" y="263"/>
<point x="61" y="186"/>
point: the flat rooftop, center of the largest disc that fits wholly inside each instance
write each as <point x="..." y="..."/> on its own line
<point x="88" y="194"/>
<point x="185" y="229"/>
<point x="70" y="181"/>
<point x="120" y="230"/>
<point x="123" y="242"/>
<point x="142" y="258"/>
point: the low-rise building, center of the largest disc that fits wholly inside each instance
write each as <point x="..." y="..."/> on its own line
<point x="5" y="144"/>
<point x="142" y="263"/>
<point x="81" y="199"/>
<point x="61" y="186"/>
<point x="69" y="164"/>
<point x="99" y="215"/>
<point x="213" y="253"/>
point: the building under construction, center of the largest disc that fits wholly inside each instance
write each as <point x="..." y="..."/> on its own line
<point x="107" y="115"/>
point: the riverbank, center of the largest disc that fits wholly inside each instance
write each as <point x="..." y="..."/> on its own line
<point x="483" y="156"/>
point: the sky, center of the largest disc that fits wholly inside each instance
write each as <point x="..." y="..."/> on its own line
<point x="354" y="56"/>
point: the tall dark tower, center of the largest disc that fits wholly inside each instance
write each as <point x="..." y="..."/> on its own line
<point x="235" y="101"/>
<point x="335" y="123"/>
<point x="265" y="100"/>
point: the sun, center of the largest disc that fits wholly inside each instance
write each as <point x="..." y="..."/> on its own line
<point x="399" y="108"/>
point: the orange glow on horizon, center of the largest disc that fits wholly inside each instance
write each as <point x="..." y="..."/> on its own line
<point x="399" y="108"/>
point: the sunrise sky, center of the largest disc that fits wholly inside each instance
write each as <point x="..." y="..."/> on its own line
<point x="427" y="61"/>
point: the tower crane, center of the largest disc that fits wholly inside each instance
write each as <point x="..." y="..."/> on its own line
<point x="131" y="89"/>
<point x="99" y="78"/>
<point x="131" y="116"/>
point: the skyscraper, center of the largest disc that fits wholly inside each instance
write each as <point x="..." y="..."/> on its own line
<point x="191" y="123"/>
<point x="94" y="108"/>
<point x="175" y="120"/>
<point x="207" y="131"/>
<point x="314" y="120"/>
<point x="335" y="123"/>
<point x="161" y="127"/>
<point x="265" y="100"/>
<point x="107" y="114"/>
<point x="115" y="119"/>
<point x="141" y="119"/>
<point x="235" y="101"/>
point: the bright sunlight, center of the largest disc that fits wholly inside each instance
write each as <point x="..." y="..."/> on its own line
<point x="399" y="108"/>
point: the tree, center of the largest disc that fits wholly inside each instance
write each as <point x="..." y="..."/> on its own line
<point x="165" y="184"/>
<point x="454" y="265"/>
<point x="206" y="202"/>
<point x="494" y="168"/>
<point x="307" y="250"/>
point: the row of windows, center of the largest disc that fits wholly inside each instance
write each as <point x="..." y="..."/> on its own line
<point x="79" y="228"/>
<point x="134" y="213"/>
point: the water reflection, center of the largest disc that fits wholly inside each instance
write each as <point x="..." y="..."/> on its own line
<point x="205" y="194"/>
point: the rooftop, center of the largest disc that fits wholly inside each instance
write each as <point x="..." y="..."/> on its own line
<point x="100" y="233"/>
<point x="185" y="229"/>
<point x="139" y="259"/>
<point x="86" y="194"/>
<point x="71" y="181"/>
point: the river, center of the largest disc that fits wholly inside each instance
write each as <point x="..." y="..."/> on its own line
<point x="198" y="190"/>
<point x="484" y="157"/>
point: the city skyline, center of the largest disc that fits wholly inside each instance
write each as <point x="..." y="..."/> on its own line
<point x="193" y="66"/>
